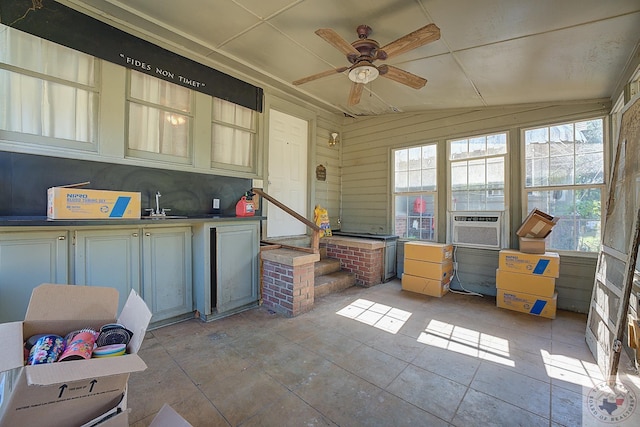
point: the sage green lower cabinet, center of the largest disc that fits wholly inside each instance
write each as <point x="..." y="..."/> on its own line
<point x="226" y="268"/>
<point x="28" y="259"/>
<point x="167" y="272"/>
<point x="108" y="257"/>
<point x="155" y="262"/>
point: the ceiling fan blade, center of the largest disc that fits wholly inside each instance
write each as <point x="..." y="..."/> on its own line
<point x="412" y="40"/>
<point x="319" y="75"/>
<point x="355" y="94"/>
<point x="401" y="76"/>
<point x="335" y="40"/>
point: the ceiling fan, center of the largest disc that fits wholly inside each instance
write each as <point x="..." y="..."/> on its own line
<point x="364" y="51"/>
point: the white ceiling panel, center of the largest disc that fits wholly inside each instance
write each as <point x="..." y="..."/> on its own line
<point x="576" y="63"/>
<point x="511" y="51"/>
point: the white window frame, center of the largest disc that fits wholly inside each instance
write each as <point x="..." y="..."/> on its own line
<point x="505" y="189"/>
<point x="574" y="187"/>
<point x="252" y="131"/>
<point x="430" y="193"/>
<point x="164" y="157"/>
<point x="50" y="141"/>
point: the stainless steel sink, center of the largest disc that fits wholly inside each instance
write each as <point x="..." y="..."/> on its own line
<point x="161" y="217"/>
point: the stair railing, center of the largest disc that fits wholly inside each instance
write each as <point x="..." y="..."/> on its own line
<point x="315" y="230"/>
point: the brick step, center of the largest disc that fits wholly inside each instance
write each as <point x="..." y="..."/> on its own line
<point x="333" y="282"/>
<point x="326" y="266"/>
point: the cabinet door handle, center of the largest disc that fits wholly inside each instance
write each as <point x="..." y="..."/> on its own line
<point x="147" y="234"/>
<point x="135" y="234"/>
<point x="62" y="238"/>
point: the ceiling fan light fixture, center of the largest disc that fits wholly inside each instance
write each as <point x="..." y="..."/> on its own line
<point x="363" y="73"/>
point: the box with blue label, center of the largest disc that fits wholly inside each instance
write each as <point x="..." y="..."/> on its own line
<point x="527" y="303"/>
<point x="547" y="264"/>
<point x="80" y="203"/>
<point x="527" y="283"/>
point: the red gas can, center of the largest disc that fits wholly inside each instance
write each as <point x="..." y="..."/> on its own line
<point x="245" y="207"/>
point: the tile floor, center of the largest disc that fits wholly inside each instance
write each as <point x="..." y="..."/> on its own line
<point x="377" y="357"/>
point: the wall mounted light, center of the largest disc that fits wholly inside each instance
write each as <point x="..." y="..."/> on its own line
<point x="333" y="140"/>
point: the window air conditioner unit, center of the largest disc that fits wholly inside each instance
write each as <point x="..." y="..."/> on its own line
<point x="476" y="229"/>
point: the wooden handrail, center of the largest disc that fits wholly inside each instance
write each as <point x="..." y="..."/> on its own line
<point x="315" y="236"/>
<point x="288" y="210"/>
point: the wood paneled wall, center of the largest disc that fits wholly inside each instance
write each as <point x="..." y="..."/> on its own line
<point x="327" y="193"/>
<point x="366" y="170"/>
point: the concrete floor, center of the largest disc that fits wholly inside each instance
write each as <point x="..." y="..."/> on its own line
<point x="378" y="357"/>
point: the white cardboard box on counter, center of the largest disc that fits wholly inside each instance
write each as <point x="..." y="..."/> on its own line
<point x="73" y="392"/>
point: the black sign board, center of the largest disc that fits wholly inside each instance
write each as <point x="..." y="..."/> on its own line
<point x="60" y="24"/>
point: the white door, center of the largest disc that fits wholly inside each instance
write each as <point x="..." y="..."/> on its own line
<point x="287" y="173"/>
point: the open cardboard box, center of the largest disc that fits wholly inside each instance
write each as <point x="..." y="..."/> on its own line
<point x="537" y="225"/>
<point x="72" y="392"/>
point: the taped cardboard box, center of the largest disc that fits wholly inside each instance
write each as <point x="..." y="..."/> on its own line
<point x="72" y="392"/>
<point x="427" y="251"/>
<point x="422" y="285"/>
<point x="527" y="283"/>
<point x="537" y="224"/>
<point x="431" y="270"/>
<point x="532" y="245"/>
<point x="79" y="203"/>
<point x="547" y="264"/>
<point x="526" y="303"/>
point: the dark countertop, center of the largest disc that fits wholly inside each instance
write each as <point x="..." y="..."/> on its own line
<point x="38" y="221"/>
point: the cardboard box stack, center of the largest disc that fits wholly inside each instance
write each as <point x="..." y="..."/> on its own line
<point x="535" y="228"/>
<point x="70" y="392"/>
<point x="526" y="279"/>
<point x="428" y="268"/>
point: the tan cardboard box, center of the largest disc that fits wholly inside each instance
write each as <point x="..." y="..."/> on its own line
<point x="547" y="264"/>
<point x="73" y="392"/>
<point x="431" y="270"/>
<point x="427" y="251"/>
<point x="537" y="224"/>
<point x="79" y="203"/>
<point x="532" y="245"/>
<point x="422" y="285"/>
<point x="527" y="283"/>
<point x="527" y="303"/>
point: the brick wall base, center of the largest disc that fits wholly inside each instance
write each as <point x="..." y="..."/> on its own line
<point x="287" y="282"/>
<point x="364" y="259"/>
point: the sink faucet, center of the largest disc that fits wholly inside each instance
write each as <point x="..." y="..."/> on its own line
<point x="157" y="211"/>
<point x="158" y="195"/>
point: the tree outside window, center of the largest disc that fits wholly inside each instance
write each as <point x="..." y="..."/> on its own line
<point x="564" y="177"/>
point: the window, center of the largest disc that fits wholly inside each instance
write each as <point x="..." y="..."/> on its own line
<point x="160" y="118"/>
<point x="565" y="178"/>
<point x="233" y="136"/>
<point x="415" y="190"/>
<point x="47" y="90"/>
<point x="477" y="170"/>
